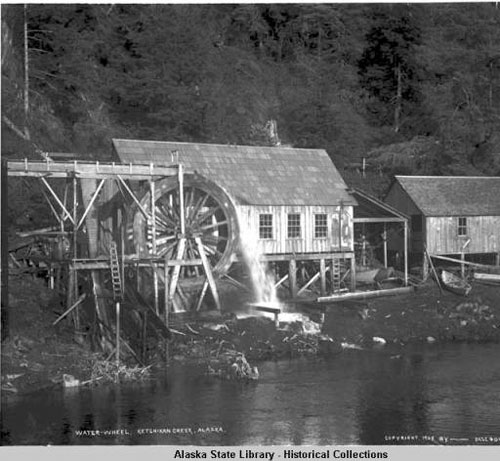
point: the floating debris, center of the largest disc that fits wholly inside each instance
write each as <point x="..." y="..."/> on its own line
<point x="379" y="341"/>
<point x="70" y="381"/>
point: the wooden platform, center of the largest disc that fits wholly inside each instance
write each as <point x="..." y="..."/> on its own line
<point x="88" y="170"/>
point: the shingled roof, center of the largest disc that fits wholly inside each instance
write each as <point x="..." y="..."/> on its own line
<point x="453" y="195"/>
<point x="251" y="175"/>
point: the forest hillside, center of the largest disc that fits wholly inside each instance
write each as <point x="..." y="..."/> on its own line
<point x="413" y="88"/>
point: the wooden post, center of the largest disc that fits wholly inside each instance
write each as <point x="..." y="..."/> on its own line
<point x="177" y="269"/>
<point x="137" y="277"/>
<point x="353" y="273"/>
<point x="166" y="301"/>
<point x="406" y="251"/>
<point x="202" y="294"/>
<point x="292" y="277"/>
<point x="462" y="266"/>
<point x="153" y="217"/>
<point x="425" y="267"/>
<point x="118" y="333"/>
<point x="433" y="270"/>
<point x="384" y="237"/>
<point x="181" y="200"/>
<point x="322" y="271"/>
<point x="497" y="259"/>
<point x="144" y="335"/>
<point x="208" y="272"/>
<point x="155" y="285"/>
<point x="75" y="252"/>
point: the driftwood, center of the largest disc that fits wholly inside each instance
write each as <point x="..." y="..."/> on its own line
<point x="75" y="305"/>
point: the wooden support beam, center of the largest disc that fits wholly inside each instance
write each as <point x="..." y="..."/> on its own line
<point x="144" y="335"/>
<point x="134" y="198"/>
<point x="208" y="272"/>
<point x="237" y="283"/>
<point x="322" y="274"/>
<point x="58" y="200"/>
<point x="458" y="261"/>
<point x="300" y="256"/>
<point x="202" y="294"/>
<point x="384" y="238"/>
<point x="281" y="281"/>
<point x="434" y="271"/>
<point x="292" y="277"/>
<point x="166" y="279"/>
<point x="177" y="269"/>
<point x="90" y="205"/>
<point x="406" y="251"/>
<point x="117" y="306"/>
<point x="353" y="274"/>
<point x="181" y="200"/>
<point x="309" y="283"/>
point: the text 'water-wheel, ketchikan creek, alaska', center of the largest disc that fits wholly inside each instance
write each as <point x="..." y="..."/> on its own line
<point x="210" y="220"/>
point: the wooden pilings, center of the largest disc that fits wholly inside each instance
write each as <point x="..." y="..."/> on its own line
<point x="292" y="277"/>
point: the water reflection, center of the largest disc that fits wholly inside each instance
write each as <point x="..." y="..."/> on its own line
<point x="358" y="397"/>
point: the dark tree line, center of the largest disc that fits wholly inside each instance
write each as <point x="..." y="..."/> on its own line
<point x="419" y="81"/>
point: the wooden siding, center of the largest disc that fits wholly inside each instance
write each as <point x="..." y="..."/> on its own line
<point x="307" y="243"/>
<point x="443" y="238"/>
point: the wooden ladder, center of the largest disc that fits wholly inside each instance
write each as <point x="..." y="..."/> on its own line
<point x="336" y="280"/>
<point x="115" y="271"/>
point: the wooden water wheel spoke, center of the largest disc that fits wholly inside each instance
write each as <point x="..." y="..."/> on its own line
<point x="165" y="219"/>
<point x="205" y="216"/>
<point x="212" y="250"/>
<point x="169" y="212"/>
<point x="199" y="205"/>
<point x="208" y="216"/>
<point x="188" y="203"/>
<point x="213" y="240"/>
<point x="166" y="250"/>
<point x="166" y="238"/>
<point x="212" y="226"/>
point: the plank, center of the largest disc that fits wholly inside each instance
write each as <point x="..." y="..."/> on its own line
<point x="365" y="294"/>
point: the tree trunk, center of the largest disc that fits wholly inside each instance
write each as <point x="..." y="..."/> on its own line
<point x="4" y="256"/>
<point x="399" y="97"/>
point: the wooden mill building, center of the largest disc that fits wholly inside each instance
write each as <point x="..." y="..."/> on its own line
<point x="450" y="215"/>
<point x="292" y="202"/>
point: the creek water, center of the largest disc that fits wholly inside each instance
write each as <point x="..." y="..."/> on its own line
<point x="410" y="396"/>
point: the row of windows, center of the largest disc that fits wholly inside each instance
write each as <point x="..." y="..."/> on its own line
<point x="294" y="226"/>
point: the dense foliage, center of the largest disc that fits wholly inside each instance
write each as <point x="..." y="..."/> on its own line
<point x="416" y="88"/>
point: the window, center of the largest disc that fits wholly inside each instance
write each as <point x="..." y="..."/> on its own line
<point x="293" y="226"/>
<point x="320" y="226"/>
<point x="462" y="226"/>
<point x="266" y="226"/>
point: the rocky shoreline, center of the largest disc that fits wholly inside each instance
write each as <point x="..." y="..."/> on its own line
<point x="37" y="355"/>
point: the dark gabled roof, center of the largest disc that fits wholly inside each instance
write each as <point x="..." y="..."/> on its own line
<point x="371" y="209"/>
<point x="251" y="175"/>
<point x="453" y="195"/>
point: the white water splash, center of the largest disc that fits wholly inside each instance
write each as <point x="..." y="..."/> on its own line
<point x="263" y="281"/>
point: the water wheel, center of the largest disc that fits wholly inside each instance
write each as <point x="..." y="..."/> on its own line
<point x="209" y="217"/>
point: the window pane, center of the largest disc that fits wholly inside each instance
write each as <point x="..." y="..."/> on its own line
<point x="294" y="225"/>
<point x="462" y="226"/>
<point x="266" y="226"/>
<point x="320" y="226"/>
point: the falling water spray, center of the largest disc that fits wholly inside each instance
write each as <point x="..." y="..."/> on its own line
<point x="262" y="279"/>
